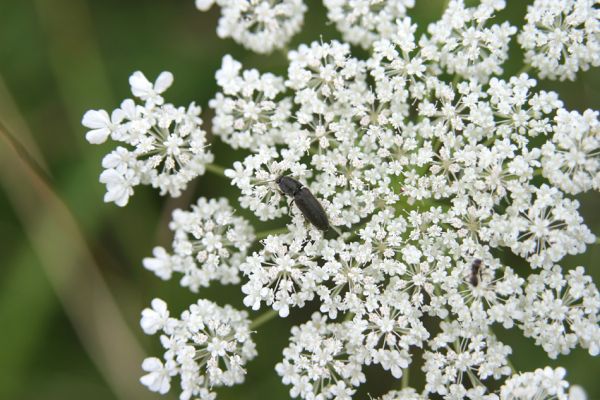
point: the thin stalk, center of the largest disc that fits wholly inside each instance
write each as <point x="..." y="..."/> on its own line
<point x="405" y="377"/>
<point x="263" y="319"/>
<point x="215" y="169"/>
<point x="276" y="231"/>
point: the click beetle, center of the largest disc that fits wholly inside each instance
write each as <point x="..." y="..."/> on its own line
<point x="305" y="201"/>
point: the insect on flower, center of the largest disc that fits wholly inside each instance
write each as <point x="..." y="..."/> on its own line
<point x="305" y="201"/>
<point x="475" y="268"/>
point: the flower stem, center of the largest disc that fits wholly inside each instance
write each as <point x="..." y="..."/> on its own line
<point x="263" y="318"/>
<point x="524" y="69"/>
<point x="276" y="231"/>
<point x="405" y="377"/>
<point x="215" y="169"/>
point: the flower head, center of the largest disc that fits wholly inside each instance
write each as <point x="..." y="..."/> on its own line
<point x="259" y="25"/>
<point x="207" y="347"/>
<point x="561" y="37"/>
<point x="163" y="145"/>
<point x="209" y="244"/>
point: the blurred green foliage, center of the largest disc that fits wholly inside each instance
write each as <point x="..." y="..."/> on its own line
<point x="59" y="58"/>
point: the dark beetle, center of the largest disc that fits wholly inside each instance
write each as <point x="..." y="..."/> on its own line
<point x="475" y="267"/>
<point x="305" y="201"/>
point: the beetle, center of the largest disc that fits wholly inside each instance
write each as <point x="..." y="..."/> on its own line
<point x="475" y="267"/>
<point x="305" y="201"/>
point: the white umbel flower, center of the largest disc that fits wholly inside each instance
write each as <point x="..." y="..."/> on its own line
<point x="363" y="22"/>
<point x="571" y="159"/>
<point x="163" y="145"/>
<point x="544" y="383"/>
<point x="465" y="46"/>
<point x="460" y="353"/>
<point x="560" y="312"/>
<point x="209" y="244"/>
<point x="259" y="25"/>
<point x="247" y="112"/>
<point x="318" y="363"/>
<point x="207" y="347"/>
<point x="561" y="37"/>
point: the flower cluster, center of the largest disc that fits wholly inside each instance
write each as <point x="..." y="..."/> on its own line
<point x="462" y="43"/>
<point x="319" y="363"/>
<point x="209" y="245"/>
<point x="562" y="37"/>
<point x="165" y="146"/>
<point x="246" y="111"/>
<point x="362" y="22"/>
<point x="207" y="347"/>
<point x="448" y="185"/>
<point x="420" y="199"/>
<point x="259" y="25"/>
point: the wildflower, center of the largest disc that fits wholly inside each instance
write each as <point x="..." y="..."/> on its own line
<point x="561" y="38"/>
<point x="259" y="25"/>
<point x="209" y="245"/>
<point x="165" y="145"/>
<point x="571" y="159"/>
<point x="317" y="362"/>
<point x="207" y="347"/>
<point x="466" y="47"/>
<point x="541" y="383"/>
<point x="424" y="177"/>
<point x="363" y="22"/>
<point x="246" y="113"/>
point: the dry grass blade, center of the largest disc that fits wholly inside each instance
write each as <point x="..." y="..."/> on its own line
<point x="72" y="271"/>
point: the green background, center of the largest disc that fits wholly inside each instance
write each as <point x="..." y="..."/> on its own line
<point x="71" y="265"/>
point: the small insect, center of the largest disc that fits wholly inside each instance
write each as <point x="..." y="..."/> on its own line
<point x="305" y="201"/>
<point x="475" y="268"/>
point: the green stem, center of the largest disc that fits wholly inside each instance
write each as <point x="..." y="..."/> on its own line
<point x="524" y="69"/>
<point x="263" y="318"/>
<point x="215" y="169"/>
<point x="405" y="377"/>
<point x="276" y="231"/>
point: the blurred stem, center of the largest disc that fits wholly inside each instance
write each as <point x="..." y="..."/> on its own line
<point x="524" y="69"/>
<point x="262" y="319"/>
<point x="276" y="231"/>
<point x="405" y="377"/>
<point x="444" y="5"/>
<point x="70" y="267"/>
<point x="215" y="169"/>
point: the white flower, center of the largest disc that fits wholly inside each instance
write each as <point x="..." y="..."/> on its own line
<point x="540" y="384"/>
<point x="541" y="226"/>
<point x="156" y="318"/>
<point x="259" y="25"/>
<point x="143" y="89"/>
<point x="404" y="394"/>
<point x="561" y="311"/>
<point x="430" y="165"/>
<point x="571" y="159"/>
<point x="283" y="275"/>
<point x="561" y="37"/>
<point x="477" y="356"/>
<point x="318" y="362"/>
<point x="101" y="125"/>
<point x="246" y="113"/>
<point x="159" y="376"/>
<point x="464" y="45"/>
<point x="207" y="347"/>
<point x="362" y="22"/>
<point x="119" y="185"/>
<point x="165" y="145"/>
<point x="209" y="245"/>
